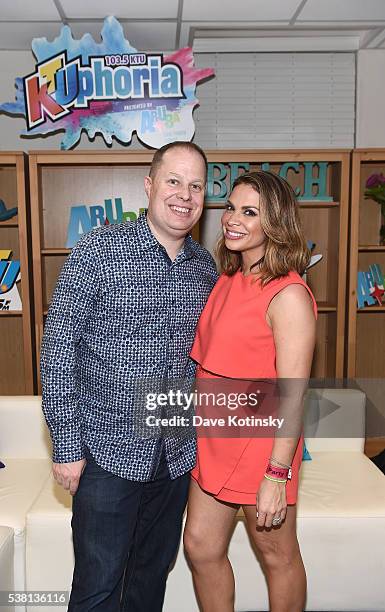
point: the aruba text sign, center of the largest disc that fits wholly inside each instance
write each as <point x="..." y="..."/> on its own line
<point x="108" y="88"/>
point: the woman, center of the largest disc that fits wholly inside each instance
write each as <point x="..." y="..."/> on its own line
<point x="259" y="323"/>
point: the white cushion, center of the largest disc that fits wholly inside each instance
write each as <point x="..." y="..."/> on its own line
<point x="335" y="420"/>
<point x="49" y="550"/>
<point x="341" y="484"/>
<point x="345" y="562"/>
<point x="6" y="560"/>
<point x="20" y="484"/>
<point x="6" y="565"/>
<point x="23" y="431"/>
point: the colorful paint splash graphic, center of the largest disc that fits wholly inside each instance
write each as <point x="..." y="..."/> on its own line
<point x="108" y="88"/>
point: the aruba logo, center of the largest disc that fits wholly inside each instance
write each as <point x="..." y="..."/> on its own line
<point x="84" y="218"/>
<point x="9" y="271"/>
<point x="9" y="275"/>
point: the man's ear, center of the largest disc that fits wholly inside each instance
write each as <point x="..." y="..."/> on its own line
<point x="147" y="185"/>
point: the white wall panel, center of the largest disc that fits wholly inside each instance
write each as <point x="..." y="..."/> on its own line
<point x="280" y="100"/>
<point x="249" y="10"/>
<point x="330" y="10"/>
<point x="371" y="98"/>
<point x="144" y="36"/>
<point x="20" y="10"/>
<point x="126" y="9"/>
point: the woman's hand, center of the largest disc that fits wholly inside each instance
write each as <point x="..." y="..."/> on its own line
<point x="271" y="503"/>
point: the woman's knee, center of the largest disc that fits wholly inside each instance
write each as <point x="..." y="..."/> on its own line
<point x="276" y="554"/>
<point x="200" y="548"/>
<point x="195" y="544"/>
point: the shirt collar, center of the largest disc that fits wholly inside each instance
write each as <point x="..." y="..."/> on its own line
<point x="189" y="247"/>
<point x="147" y="239"/>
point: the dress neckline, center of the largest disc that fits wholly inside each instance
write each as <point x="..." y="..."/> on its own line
<point x="247" y="276"/>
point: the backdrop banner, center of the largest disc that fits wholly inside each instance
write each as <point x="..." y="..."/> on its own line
<point x="108" y="88"/>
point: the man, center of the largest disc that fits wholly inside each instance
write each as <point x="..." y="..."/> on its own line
<point x="125" y="310"/>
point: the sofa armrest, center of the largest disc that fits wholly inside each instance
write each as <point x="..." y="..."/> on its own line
<point x="335" y="420"/>
<point x="23" y="430"/>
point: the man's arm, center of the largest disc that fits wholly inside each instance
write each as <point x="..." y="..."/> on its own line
<point x="71" y="306"/>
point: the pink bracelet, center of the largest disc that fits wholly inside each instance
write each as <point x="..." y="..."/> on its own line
<point x="278" y="472"/>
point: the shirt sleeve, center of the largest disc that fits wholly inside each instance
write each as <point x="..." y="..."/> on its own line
<point x="208" y="258"/>
<point x="71" y="306"/>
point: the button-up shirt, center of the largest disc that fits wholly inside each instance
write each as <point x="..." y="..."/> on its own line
<point x="122" y="314"/>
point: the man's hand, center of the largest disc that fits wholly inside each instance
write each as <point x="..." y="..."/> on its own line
<point x="68" y="474"/>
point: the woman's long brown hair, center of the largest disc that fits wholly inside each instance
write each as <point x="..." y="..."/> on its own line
<point x="286" y="247"/>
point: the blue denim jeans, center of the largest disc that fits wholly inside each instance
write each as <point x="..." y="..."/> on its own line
<point x="125" y="536"/>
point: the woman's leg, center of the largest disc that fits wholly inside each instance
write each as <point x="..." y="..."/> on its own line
<point x="281" y="560"/>
<point x="206" y="538"/>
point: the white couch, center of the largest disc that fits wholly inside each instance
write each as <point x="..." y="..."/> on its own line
<point x="341" y="514"/>
<point x="6" y="563"/>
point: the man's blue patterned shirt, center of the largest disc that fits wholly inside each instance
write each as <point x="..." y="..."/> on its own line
<point x="122" y="312"/>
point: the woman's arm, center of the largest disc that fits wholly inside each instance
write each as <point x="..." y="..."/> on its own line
<point x="293" y="323"/>
<point x="291" y="317"/>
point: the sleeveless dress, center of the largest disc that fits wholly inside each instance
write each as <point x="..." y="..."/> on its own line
<point x="234" y="341"/>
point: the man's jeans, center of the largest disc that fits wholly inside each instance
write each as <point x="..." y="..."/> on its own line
<point x="125" y="536"/>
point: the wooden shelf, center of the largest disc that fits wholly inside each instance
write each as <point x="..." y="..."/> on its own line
<point x="17" y="331"/>
<point x="325" y="307"/>
<point x="366" y="334"/>
<point x="14" y="222"/>
<point x="301" y="203"/>
<point x="371" y="248"/>
<point x="60" y="179"/>
<point x="317" y="204"/>
<point x="55" y="251"/>
<point x="11" y="313"/>
<point x="374" y="446"/>
<point x="372" y="309"/>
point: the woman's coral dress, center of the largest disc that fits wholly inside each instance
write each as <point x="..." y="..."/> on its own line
<point x="234" y="341"/>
